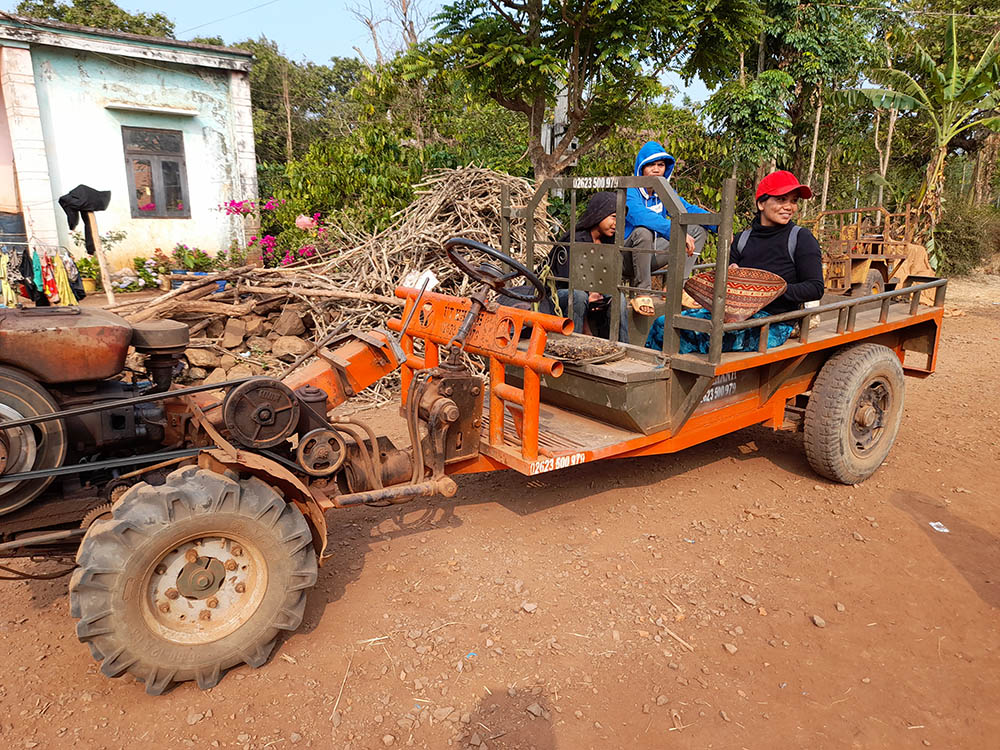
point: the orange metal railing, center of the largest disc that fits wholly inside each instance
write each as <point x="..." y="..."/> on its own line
<point x="495" y="336"/>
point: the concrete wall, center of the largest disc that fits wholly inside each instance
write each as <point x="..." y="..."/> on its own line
<point x="8" y="185"/>
<point x="85" y="98"/>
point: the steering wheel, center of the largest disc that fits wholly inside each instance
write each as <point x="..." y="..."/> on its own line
<point x="491" y="275"/>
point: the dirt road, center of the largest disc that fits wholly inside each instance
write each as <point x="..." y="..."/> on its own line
<point x="714" y="599"/>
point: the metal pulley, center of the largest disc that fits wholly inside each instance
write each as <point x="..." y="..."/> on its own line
<point x="321" y="452"/>
<point x="260" y="413"/>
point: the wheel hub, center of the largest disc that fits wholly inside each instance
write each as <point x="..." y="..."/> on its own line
<point x="204" y="589"/>
<point x="201" y="578"/>
<point x="868" y="424"/>
<point x="866" y="416"/>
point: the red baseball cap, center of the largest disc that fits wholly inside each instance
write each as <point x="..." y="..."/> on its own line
<point x="782" y="182"/>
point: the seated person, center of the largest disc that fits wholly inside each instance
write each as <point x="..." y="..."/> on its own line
<point x="647" y="225"/>
<point x="775" y="243"/>
<point x="591" y="311"/>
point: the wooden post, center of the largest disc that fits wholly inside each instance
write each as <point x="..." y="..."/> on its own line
<point x="88" y="216"/>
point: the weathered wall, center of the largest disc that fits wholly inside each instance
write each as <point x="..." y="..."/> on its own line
<point x="77" y="94"/>
<point x="27" y="143"/>
<point x="8" y="186"/>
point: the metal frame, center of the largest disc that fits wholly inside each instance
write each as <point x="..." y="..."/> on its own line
<point x="155" y="159"/>
<point x="846" y="248"/>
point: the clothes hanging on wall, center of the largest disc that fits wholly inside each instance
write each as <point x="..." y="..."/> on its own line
<point x="62" y="282"/>
<point x="73" y="274"/>
<point x="7" y="295"/>
<point x="32" y="290"/>
<point x="49" y="279"/>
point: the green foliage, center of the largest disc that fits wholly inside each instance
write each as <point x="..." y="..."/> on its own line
<point x="950" y="95"/>
<point x="966" y="237"/>
<point x="318" y="106"/>
<point x="365" y="177"/>
<point x="607" y="56"/>
<point x="753" y="115"/>
<point x="102" y="14"/>
<point x="148" y="271"/>
<point x="192" y="258"/>
<point x="88" y="267"/>
<point x="700" y="155"/>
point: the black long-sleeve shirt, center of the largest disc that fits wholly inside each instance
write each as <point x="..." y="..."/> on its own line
<point x="767" y="249"/>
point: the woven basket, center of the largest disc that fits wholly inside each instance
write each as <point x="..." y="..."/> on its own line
<point x="748" y="290"/>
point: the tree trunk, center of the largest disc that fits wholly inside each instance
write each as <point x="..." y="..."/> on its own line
<point x="986" y="161"/>
<point x="826" y="179"/>
<point x="928" y="212"/>
<point x="815" y="142"/>
<point x="883" y="167"/>
<point x="289" y="151"/>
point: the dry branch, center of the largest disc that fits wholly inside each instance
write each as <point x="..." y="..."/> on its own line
<point x="352" y="281"/>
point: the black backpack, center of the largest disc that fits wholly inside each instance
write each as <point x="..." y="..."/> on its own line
<point x="793" y="241"/>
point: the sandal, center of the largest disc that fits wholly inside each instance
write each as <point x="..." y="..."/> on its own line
<point x="643" y="306"/>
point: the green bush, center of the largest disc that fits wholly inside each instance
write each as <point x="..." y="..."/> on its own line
<point x="966" y="237"/>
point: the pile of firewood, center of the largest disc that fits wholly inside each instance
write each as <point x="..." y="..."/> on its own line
<point x="267" y="320"/>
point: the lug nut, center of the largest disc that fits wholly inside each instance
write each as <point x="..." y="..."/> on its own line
<point x="240" y="587"/>
<point x="191" y="555"/>
<point x="164" y="607"/>
<point x="212" y="603"/>
<point x="204" y="615"/>
<point x="230" y="565"/>
<point x="171" y="593"/>
<point x="160" y="570"/>
<point x="237" y="550"/>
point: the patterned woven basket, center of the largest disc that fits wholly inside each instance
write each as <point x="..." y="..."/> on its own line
<point x="748" y="290"/>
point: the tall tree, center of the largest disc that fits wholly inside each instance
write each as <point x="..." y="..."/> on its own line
<point x="297" y="103"/>
<point x="751" y="111"/>
<point x="102" y="14"/>
<point x="605" y="55"/>
<point x="952" y="97"/>
<point x="823" y="47"/>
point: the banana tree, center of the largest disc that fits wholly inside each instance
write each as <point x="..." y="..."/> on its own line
<point x="953" y="98"/>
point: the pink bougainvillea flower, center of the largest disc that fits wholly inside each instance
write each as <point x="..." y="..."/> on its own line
<point x="305" y="222"/>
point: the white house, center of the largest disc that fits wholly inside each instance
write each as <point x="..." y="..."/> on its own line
<point x="166" y="126"/>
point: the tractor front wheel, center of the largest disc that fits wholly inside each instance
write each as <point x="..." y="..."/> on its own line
<point x="190" y="578"/>
<point x="854" y="413"/>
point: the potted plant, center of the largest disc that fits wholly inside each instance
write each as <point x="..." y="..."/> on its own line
<point x="90" y="273"/>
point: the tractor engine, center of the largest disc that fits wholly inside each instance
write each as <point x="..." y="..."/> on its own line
<point x="62" y="358"/>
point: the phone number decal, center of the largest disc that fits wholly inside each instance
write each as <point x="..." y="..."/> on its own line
<point x="559" y="462"/>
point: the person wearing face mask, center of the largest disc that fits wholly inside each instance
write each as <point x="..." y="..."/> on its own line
<point x="775" y="243"/>
<point x="647" y="226"/>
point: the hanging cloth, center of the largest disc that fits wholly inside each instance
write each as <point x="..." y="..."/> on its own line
<point x="7" y="295"/>
<point x="49" y="279"/>
<point x="75" y="284"/>
<point x="62" y="282"/>
<point x="30" y="266"/>
<point x="84" y="199"/>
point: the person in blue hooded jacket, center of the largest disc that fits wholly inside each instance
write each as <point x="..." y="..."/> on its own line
<point x="647" y="225"/>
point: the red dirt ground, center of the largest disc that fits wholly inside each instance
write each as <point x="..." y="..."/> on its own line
<point x="419" y="622"/>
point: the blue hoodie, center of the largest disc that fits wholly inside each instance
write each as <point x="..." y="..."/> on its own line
<point x="644" y="208"/>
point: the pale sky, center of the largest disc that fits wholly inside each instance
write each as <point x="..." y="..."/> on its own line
<point x="303" y="29"/>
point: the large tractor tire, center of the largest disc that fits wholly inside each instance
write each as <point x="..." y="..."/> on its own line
<point x="190" y="578"/>
<point x="31" y="447"/>
<point x="874" y="283"/>
<point x="854" y="413"/>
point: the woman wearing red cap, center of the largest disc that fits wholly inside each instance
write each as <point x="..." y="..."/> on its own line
<point x="775" y="243"/>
